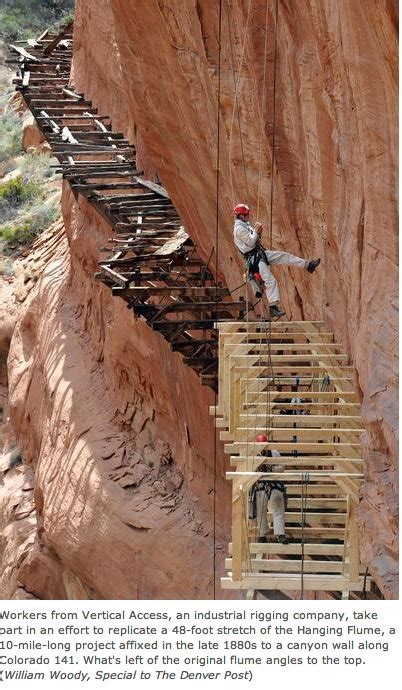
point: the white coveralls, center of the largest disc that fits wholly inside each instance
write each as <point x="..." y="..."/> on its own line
<point x="245" y="238"/>
<point x="276" y="505"/>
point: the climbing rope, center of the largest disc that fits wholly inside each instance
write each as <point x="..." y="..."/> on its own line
<point x="274" y="122"/>
<point x="262" y="121"/>
<point x="216" y="283"/>
<point x="235" y="101"/>
<point x="236" y="105"/>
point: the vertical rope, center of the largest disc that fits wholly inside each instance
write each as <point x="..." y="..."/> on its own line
<point x="235" y="103"/>
<point x="262" y="128"/>
<point x="274" y="125"/>
<point x="216" y="276"/>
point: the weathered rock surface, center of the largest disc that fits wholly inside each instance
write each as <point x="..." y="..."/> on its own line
<point x="32" y="137"/>
<point x="335" y="173"/>
<point x="116" y="428"/>
<point x="123" y="458"/>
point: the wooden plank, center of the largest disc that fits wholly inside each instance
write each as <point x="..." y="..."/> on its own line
<point x="254" y="337"/>
<point x="327" y="519"/>
<point x="353" y="543"/>
<point x="237" y="537"/>
<point x="284" y="433"/>
<point x="80" y="118"/>
<point x="44" y="101"/>
<point x="309" y="420"/>
<point x="181" y="289"/>
<point x="262" y="396"/>
<point x="293" y="358"/>
<point x="24" y="53"/>
<point x="306" y="326"/>
<point x="275" y="548"/>
<point x="329" y="583"/>
<point x="312" y="461"/>
<point x="291" y="566"/>
<point x="343" y="408"/>
<point x="148" y="184"/>
<point x="60" y="36"/>
<point x="274" y="345"/>
<point x="94" y="186"/>
<point x="114" y="276"/>
<point x="314" y="503"/>
<point x="192" y="324"/>
<point x="294" y="474"/>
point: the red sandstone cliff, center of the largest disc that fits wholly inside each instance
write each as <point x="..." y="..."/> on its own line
<point x="116" y="429"/>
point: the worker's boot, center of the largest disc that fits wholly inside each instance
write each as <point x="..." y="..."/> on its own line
<point x="282" y="539"/>
<point x="312" y="265"/>
<point x="262" y="540"/>
<point x="275" y="312"/>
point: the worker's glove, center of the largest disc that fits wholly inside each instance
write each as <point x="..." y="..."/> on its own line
<point x="258" y="228"/>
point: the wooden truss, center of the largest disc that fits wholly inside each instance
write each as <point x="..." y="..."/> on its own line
<point x="150" y="261"/>
<point x="263" y="368"/>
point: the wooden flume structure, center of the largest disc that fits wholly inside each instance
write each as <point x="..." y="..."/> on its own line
<point x="288" y="381"/>
<point x="150" y="261"/>
<point x="152" y="264"/>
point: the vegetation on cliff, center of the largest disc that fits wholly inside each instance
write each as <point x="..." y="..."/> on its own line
<point x="23" y="18"/>
<point x="29" y="201"/>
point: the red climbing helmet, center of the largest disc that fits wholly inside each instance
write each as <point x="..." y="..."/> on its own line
<point x="241" y="210"/>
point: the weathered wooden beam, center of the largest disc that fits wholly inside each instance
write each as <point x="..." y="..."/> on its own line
<point x="60" y="36"/>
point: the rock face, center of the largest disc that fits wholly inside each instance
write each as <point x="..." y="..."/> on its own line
<point x="115" y="427"/>
<point x="123" y="458"/>
<point x="32" y="137"/>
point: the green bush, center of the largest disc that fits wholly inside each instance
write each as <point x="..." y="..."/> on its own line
<point x="17" y="191"/>
<point x="24" y="231"/>
<point x="17" y="194"/>
<point x="20" y="19"/>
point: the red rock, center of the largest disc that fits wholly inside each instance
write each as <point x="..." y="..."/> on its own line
<point x="32" y="137"/>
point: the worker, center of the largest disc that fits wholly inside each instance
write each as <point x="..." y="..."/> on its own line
<point x="247" y="240"/>
<point x="269" y="494"/>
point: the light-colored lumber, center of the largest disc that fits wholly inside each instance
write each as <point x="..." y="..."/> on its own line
<point x="329" y="583"/>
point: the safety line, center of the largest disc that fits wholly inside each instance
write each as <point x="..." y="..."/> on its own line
<point x="216" y="282"/>
<point x="274" y="122"/>
<point x="235" y="102"/>
<point x="262" y="128"/>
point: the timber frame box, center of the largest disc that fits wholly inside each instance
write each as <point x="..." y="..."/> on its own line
<point x="262" y="366"/>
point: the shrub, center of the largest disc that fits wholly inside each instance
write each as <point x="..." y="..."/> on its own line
<point x="35" y="166"/>
<point x="29" y="227"/>
<point x="17" y="191"/>
<point x="21" y="19"/>
<point x="16" y="194"/>
<point x="10" y="135"/>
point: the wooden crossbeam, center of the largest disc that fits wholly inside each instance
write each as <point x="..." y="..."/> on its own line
<point x="304" y="461"/>
<point x="291" y="566"/>
<point x="294" y="549"/>
<point x="241" y="361"/>
<point x="329" y="583"/>
<point x="319" y="396"/>
<point x="299" y="419"/>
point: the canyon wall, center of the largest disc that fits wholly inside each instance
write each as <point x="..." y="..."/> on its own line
<point x="116" y="428"/>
